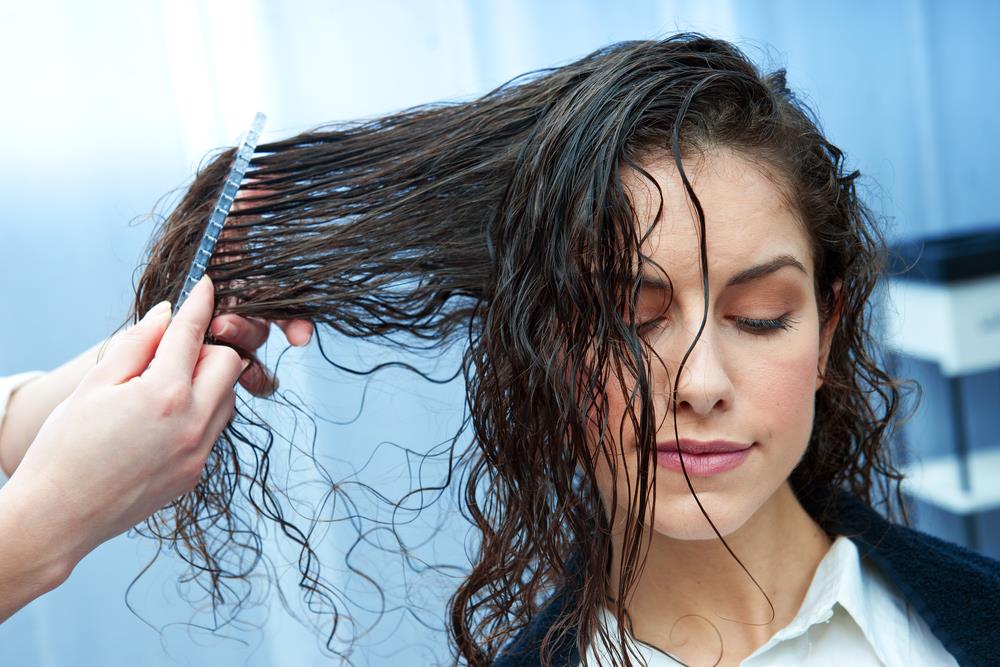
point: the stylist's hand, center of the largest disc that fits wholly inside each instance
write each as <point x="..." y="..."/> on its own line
<point x="33" y="402"/>
<point x="249" y="333"/>
<point x="135" y="433"/>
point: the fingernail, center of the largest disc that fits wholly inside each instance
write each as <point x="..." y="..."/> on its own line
<point x="221" y="330"/>
<point x="157" y="311"/>
<point x="306" y="341"/>
<point x="246" y="363"/>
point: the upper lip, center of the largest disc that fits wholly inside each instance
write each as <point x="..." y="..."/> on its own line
<point x="703" y="446"/>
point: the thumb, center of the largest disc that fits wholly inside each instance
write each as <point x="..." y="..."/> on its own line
<point x="133" y="349"/>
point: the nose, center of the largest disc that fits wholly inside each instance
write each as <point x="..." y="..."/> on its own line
<point x="704" y="384"/>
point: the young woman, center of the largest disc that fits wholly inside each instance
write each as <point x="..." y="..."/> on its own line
<point x="661" y="273"/>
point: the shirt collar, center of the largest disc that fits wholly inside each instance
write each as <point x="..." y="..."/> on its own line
<point x="870" y="600"/>
<point x="862" y="592"/>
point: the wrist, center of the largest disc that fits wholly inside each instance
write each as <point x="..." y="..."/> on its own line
<point x="44" y="554"/>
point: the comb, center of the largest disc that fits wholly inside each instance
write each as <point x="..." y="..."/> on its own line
<point x="221" y="209"/>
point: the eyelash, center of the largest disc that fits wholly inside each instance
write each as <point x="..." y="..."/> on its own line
<point x="748" y="324"/>
<point x="765" y="327"/>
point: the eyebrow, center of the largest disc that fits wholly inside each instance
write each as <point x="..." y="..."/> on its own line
<point x="744" y="276"/>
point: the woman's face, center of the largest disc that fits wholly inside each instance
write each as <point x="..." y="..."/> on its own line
<point x="741" y="385"/>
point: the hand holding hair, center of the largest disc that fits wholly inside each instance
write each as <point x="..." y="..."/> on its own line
<point x="133" y="436"/>
<point x="249" y="333"/>
<point x="32" y="403"/>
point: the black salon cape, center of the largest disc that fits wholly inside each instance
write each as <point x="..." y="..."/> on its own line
<point x="956" y="591"/>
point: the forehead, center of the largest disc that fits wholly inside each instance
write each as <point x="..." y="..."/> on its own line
<point x="748" y="215"/>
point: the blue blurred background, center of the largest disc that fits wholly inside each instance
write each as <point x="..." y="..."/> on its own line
<point x="107" y="106"/>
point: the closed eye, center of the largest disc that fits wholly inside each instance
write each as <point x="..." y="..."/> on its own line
<point x="752" y="325"/>
<point x="764" y="327"/>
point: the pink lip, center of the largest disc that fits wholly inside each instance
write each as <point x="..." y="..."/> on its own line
<point x="702" y="458"/>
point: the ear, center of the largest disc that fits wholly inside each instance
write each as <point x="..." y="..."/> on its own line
<point x="826" y="334"/>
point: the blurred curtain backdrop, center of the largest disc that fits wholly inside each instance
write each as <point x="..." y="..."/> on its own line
<point x="108" y="106"/>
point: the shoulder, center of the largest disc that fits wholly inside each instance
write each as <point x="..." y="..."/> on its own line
<point x="955" y="591"/>
<point x="910" y="552"/>
<point x="524" y="650"/>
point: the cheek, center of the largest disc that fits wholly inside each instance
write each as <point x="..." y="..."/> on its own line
<point x="618" y="429"/>
<point x="609" y="409"/>
<point x="780" y="389"/>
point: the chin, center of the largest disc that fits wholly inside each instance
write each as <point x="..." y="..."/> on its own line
<point x="730" y="505"/>
<point x="678" y="516"/>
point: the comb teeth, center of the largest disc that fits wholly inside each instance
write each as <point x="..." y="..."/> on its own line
<point x="221" y="209"/>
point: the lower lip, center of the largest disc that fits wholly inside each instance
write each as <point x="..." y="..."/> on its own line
<point x="702" y="465"/>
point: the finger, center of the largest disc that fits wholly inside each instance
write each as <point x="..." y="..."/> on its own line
<point x="258" y="381"/>
<point x="132" y="350"/>
<point x="243" y="332"/>
<point x="219" y="369"/>
<point x="179" y="350"/>
<point x="223" y="414"/>
<point x="297" y="332"/>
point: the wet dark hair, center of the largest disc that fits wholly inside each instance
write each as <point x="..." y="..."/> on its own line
<point x="501" y="224"/>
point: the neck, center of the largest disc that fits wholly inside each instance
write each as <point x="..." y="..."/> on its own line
<point x="698" y="585"/>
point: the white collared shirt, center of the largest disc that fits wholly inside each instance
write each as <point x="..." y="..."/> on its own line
<point x="7" y="386"/>
<point x="850" y="617"/>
